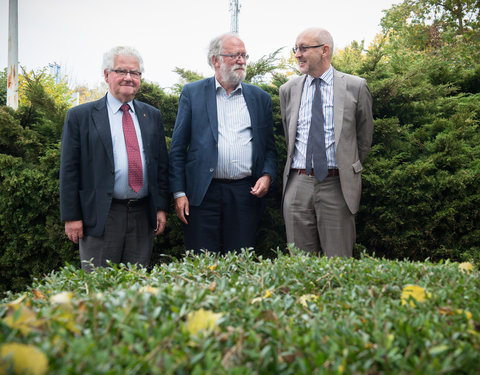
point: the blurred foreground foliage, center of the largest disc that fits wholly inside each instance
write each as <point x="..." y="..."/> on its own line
<point x="421" y="189"/>
<point x="242" y="314"/>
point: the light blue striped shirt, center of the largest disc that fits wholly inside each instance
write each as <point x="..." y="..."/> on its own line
<point x="234" y="135"/>
<point x="121" y="189"/>
<point x="305" y="116"/>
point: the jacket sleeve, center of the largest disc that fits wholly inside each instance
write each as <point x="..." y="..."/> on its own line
<point x="270" y="164"/>
<point x="364" y="121"/>
<point x="70" y="208"/>
<point x="162" y="201"/>
<point x="180" y="142"/>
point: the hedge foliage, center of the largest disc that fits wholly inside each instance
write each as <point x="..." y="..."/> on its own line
<point x="239" y="314"/>
<point x="421" y="189"/>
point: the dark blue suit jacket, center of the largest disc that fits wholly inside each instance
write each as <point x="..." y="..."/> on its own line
<point x="194" y="152"/>
<point x="87" y="172"/>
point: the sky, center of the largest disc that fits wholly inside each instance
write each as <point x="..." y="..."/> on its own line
<point x="172" y="33"/>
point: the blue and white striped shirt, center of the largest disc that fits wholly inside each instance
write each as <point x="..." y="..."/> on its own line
<point x="305" y="117"/>
<point x="234" y="135"/>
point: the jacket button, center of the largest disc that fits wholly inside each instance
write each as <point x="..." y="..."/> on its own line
<point x="211" y="169"/>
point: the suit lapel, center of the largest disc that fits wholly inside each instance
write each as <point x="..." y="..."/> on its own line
<point x="251" y="105"/>
<point x="211" y="102"/>
<point x="294" y="108"/>
<point x="143" y="121"/>
<point x="339" y="91"/>
<point x="102" y="124"/>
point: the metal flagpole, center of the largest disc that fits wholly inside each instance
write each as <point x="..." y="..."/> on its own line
<point x="12" y="78"/>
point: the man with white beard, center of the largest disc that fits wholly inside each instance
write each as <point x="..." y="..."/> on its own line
<point x="222" y="154"/>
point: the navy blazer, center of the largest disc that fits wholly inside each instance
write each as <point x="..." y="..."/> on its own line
<point x="87" y="172"/>
<point x="194" y="150"/>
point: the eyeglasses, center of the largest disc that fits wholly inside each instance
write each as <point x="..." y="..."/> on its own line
<point x="303" y="49"/>
<point x="123" y="73"/>
<point x="235" y="56"/>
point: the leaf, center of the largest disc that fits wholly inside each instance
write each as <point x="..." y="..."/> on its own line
<point x="439" y="349"/>
<point x="22" y="318"/>
<point x="212" y="286"/>
<point x="412" y="293"/>
<point x="38" y="294"/>
<point x="466" y="267"/>
<point x="306" y="298"/>
<point x="62" y="298"/>
<point x="449" y="311"/>
<point x="148" y="289"/>
<point x="25" y="359"/>
<point x="202" y="320"/>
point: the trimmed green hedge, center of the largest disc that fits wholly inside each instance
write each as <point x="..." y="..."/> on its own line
<point x="240" y="315"/>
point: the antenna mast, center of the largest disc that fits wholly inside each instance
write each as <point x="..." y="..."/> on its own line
<point x="234" y="10"/>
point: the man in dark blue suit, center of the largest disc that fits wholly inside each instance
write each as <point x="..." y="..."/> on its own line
<point x="114" y="169"/>
<point x="222" y="155"/>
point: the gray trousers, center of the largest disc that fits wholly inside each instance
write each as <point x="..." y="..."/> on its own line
<point x="128" y="237"/>
<point x="317" y="217"/>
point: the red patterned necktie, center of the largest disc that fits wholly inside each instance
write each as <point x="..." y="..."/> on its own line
<point x="135" y="171"/>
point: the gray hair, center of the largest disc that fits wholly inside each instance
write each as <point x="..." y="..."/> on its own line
<point x="322" y="36"/>
<point x="109" y="57"/>
<point x="216" y="45"/>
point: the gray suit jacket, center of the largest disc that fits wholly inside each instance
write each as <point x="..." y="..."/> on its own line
<point x="353" y="127"/>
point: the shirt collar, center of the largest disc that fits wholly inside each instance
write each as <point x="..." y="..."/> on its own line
<point x="238" y="89"/>
<point x="115" y="104"/>
<point x="326" y="77"/>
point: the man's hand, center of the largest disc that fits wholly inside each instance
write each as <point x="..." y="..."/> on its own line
<point x="161" y="222"/>
<point x="74" y="230"/>
<point x="261" y="186"/>
<point x="181" y="208"/>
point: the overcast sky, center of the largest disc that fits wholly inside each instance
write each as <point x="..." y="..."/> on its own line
<point x="172" y="33"/>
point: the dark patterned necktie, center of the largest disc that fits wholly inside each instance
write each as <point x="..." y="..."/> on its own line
<point x="135" y="171"/>
<point x="316" y="138"/>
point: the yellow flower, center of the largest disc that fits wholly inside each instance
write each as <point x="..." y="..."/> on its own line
<point x="212" y="267"/>
<point x="268" y="294"/>
<point x="202" y="320"/>
<point x="25" y="359"/>
<point x="414" y="291"/>
<point x="465" y="267"/>
<point x="468" y="314"/>
<point x="307" y="298"/>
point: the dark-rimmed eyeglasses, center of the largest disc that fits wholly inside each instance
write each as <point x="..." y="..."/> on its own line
<point x="123" y="73"/>
<point x="235" y="56"/>
<point x="303" y="49"/>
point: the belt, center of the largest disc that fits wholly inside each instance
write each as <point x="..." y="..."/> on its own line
<point x="331" y="172"/>
<point x="130" y="202"/>
<point x="227" y="180"/>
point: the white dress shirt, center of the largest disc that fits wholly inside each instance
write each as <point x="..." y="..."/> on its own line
<point x="121" y="189"/>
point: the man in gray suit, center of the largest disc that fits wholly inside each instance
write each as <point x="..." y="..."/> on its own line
<point x="322" y="183"/>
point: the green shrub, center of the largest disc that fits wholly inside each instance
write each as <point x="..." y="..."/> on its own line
<point x="352" y="318"/>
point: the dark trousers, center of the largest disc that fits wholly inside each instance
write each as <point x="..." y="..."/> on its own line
<point x="227" y="219"/>
<point x="128" y="238"/>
